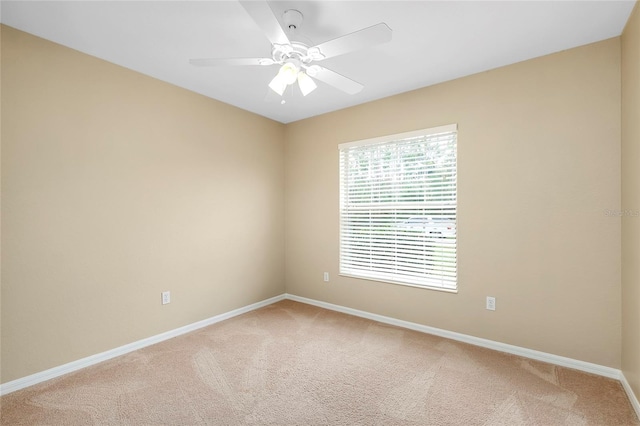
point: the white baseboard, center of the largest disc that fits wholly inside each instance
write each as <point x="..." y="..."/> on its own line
<point x="51" y="373"/>
<point x="632" y="396"/>
<point x="477" y="341"/>
<point x="588" y="367"/>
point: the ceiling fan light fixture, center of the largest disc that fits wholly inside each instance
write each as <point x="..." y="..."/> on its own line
<point x="306" y="83"/>
<point x="289" y="72"/>
<point x="286" y="76"/>
<point x="278" y="85"/>
<point x="292" y="51"/>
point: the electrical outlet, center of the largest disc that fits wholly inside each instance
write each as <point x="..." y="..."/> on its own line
<point x="491" y="303"/>
<point x="326" y="277"/>
<point x="166" y="297"/>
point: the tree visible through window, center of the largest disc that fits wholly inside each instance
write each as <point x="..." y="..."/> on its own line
<point x="398" y="201"/>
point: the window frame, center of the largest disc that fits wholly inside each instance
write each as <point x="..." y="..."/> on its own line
<point x="372" y="275"/>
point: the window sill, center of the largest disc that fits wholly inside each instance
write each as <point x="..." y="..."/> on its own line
<point x="424" y="287"/>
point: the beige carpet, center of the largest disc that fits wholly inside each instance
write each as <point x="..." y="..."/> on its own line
<point x="294" y="364"/>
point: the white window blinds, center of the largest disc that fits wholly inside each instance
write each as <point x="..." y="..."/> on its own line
<point x="398" y="208"/>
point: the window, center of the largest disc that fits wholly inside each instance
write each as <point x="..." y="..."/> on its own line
<point x="398" y="208"/>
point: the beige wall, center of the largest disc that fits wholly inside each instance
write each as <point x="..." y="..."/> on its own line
<point x="0" y="204"/>
<point x="631" y="201"/>
<point x="116" y="187"/>
<point x="539" y="164"/>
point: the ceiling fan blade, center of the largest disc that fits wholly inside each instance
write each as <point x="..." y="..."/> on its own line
<point x="266" y="20"/>
<point x="336" y="80"/>
<point x="377" y="34"/>
<point x="215" y="62"/>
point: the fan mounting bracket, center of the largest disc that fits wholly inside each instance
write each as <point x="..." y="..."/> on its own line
<point x="292" y="19"/>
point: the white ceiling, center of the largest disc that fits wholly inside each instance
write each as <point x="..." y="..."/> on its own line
<point x="433" y="41"/>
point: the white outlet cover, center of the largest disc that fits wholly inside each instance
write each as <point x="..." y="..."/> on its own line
<point x="491" y="303"/>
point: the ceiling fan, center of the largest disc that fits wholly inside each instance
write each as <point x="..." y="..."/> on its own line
<point x="295" y="58"/>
